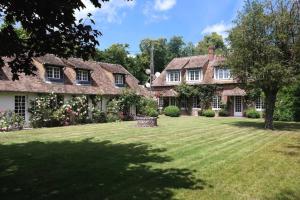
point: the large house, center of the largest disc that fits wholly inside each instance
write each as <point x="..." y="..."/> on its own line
<point x="68" y="77"/>
<point x="201" y="70"/>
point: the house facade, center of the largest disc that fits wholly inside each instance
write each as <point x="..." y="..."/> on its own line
<point x="201" y="70"/>
<point x="67" y="77"/>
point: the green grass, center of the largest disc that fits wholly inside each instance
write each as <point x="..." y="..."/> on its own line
<point x="184" y="158"/>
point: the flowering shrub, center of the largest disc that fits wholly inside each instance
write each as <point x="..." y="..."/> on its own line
<point x="10" y="120"/>
<point x="113" y="110"/>
<point x="42" y="110"/>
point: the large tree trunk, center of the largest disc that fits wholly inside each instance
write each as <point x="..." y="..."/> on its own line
<point x="270" y="107"/>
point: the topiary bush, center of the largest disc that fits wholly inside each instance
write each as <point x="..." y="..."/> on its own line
<point x="209" y="113"/>
<point x="252" y="113"/>
<point x="223" y="113"/>
<point x="172" y="111"/>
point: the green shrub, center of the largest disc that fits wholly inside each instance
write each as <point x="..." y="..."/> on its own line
<point x="223" y="113"/>
<point x="172" y="111"/>
<point x="252" y="113"/>
<point x="209" y="113"/>
<point x="152" y="112"/>
<point x="10" y="120"/>
<point x="112" y="117"/>
<point x="200" y="113"/>
<point x="99" y="116"/>
<point x="146" y="104"/>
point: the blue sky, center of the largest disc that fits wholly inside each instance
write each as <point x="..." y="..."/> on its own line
<point x="130" y="22"/>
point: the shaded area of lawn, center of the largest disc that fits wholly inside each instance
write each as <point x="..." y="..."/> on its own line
<point x="88" y="170"/>
<point x="280" y="126"/>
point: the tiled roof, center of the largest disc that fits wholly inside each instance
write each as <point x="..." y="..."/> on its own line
<point x="102" y="80"/>
<point x="197" y="61"/>
<point x="78" y="63"/>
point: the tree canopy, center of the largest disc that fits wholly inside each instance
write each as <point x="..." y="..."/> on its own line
<point x="213" y="39"/>
<point x="50" y="26"/>
<point x="263" y="47"/>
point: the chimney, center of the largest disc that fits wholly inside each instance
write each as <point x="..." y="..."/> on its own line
<point x="211" y="53"/>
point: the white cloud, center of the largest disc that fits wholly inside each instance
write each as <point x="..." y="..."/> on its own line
<point x="163" y="5"/>
<point x="220" y="28"/>
<point x="156" y="11"/>
<point x="110" y="11"/>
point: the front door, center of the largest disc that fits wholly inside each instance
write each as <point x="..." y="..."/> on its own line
<point x="238" y="106"/>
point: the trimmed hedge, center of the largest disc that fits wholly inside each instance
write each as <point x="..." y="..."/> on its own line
<point x="209" y="113"/>
<point x="150" y="112"/>
<point x="252" y="113"/>
<point x="172" y="111"/>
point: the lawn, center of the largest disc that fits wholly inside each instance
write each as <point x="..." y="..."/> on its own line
<point x="184" y="158"/>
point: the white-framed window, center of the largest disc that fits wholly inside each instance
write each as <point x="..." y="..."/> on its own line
<point x="194" y="75"/>
<point x="222" y="73"/>
<point x="196" y="102"/>
<point x="20" y="105"/>
<point x="119" y="79"/>
<point x="173" y="76"/>
<point x="260" y="104"/>
<point x="53" y="72"/>
<point x="216" y="103"/>
<point x="82" y="75"/>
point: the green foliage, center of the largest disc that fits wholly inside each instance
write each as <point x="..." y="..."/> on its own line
<point x="223" y="113"/>
<point x="285" y="109"/>
<point x="200" y="113"/>
<point x="113" y="106"/>
<point x="53" y="28"/>
<point x="99" y="116"/>
<point x="150" y="112"/>
<point x="172" y="111"/>
<point x="42" y="110"/>
<point x="10" y="120"/>
<point x="212" y="39"/>
<point x="208" y="113"/>
<point x="263" y="48"/>
<point x="112" y="117"/>
<point x="128" y="98"/>
<point x="146" y="105"/>
<point x="252" y="113"/>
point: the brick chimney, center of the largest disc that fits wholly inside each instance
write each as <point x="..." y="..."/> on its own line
<point x="211" y="53"/>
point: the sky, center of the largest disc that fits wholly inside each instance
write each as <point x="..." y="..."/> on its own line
<point x="123" y="22"/>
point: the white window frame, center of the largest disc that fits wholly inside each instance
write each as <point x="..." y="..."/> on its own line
<point x="171" y="76"/>
<point x="260" y="104"/>
<point x="220" y="72"/>
<point x="216" y="102"/>
<point x="82" y="75"/>
<point x="119" y="79"/>
<point x="20" y="105"/>
<point x="53" y="72"/>
<point x="191" y="75"/>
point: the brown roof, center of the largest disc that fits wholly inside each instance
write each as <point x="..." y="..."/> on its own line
<point x="201" y="61"/>
<point x="166" y="93"/>
<point x="50" y="59"/>
<point x="197" y="61"/>
<point x="234" y="92"/>
<point x="102" y="81"/>
<point x="78" y="63"/>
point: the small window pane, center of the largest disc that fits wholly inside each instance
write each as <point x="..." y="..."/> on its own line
<point x="20" y="105"/>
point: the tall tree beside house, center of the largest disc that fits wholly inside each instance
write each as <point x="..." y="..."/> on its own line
<point x="263" y="48"/>
<point x="175" y="47"/>
<point x="51" y="27"/>
<point x="213" y="39"/>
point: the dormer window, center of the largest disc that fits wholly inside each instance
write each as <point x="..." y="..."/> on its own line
<point x="222" y="73"/>
<point x="194" y="75"/>
<point x="54" y="73"/>
<point x="82" y="76"/>
<point x="119" y="80"/>
<point x="173" y="76"/>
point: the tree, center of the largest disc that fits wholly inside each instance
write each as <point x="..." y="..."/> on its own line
<point x="213" y="39"/>
<point x="175" y="47"/>
<point x="189" y="50"/>
<point x="160" y="52"/>
<point x="263" y="48"/>
<point x="116" y="54"/>
<point x="51" y="27"/>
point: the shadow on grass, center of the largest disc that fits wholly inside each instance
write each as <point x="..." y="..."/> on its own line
<point x="88" y="170"/>
<point x="286" y="195"/>
<point x="281" y="126"/>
